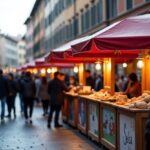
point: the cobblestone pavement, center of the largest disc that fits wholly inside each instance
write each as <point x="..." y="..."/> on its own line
<point x="16" y="135"/>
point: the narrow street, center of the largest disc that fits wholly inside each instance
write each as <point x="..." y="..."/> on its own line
<point x="15" y="134"/>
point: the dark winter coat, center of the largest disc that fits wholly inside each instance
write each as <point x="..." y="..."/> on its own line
<point x="3" y="87"/>
<point x="12" y="88"/>
<point x="28" y="88"/>
<point x="90" y="82"/>
<point x="55" y="90"/>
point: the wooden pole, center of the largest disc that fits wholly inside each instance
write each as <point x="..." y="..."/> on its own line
<point x="109" y="74"/>
<point x="145" y="74"/>
<point x="82" y="74"/>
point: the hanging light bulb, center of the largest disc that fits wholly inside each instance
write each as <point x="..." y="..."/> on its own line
<point x="98" y="66"/>
<point x="53" y="70"/>
<point x="124" y="65"/>
<point x="49" y="70"/>
<point x="35" y="71"/>
<point x="140" y="64"/>
<point x="43" y="71"/>
<point x="76" y="69"/>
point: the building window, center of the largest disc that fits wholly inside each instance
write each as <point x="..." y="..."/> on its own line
<point x="99" y="11"/>
<point x="112" y="8"/>
<point x="129" y="4"/>
<point x="93" y="15"/>
<point x="82" y="22"/>
<point x="76" y="28"/>
<point x="87" y="19"/>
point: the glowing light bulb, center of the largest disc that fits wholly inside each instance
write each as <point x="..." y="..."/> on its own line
<point x="53" y="70"/>
<point x="124" y="65"/>
<point x="43" y="71"/>
<point x="76" y="69"/>
<point x="35" y="71"/>
<point x="49" y="70"/>
<point x="98" y="66"/>
<point x="140" y="64"/>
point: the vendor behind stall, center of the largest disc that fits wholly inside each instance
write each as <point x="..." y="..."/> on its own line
<point x="89" y="79"/>
<point x="134" y="87"/>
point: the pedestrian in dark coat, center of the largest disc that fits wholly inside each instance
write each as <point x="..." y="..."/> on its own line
<point x="44" y="96"/>
<point x="12" y="92"/>
<point x="3" y="93"/>
<point x="28" y="88"/>
<point x="56" y="89"/>
<point x="89" y="79"/>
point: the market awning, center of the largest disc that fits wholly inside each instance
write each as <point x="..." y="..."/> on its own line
<point x="130" y="34"/>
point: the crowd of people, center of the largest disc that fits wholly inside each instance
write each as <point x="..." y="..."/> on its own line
<point x="50" y="93"/>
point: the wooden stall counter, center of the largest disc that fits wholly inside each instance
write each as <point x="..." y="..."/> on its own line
<point x="71" y="108"/>
<point x="92" y="117"/>
<point x="117" y="127"/>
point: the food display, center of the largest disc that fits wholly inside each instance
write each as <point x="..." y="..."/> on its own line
<point x="141" y="102"/>
<point x="82" y="90"/>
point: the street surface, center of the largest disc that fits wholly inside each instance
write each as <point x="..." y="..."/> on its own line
<point x="16" y="135"/>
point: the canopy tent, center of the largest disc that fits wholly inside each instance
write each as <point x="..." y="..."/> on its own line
<point x="132" y="33"/>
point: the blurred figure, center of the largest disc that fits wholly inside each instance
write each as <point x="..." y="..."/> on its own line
<point x="44" y="95"/>
<point x="3" y="93"/>
<point x="20" y="80"/>
<point x="12" y="92"/>
<point x="62" y="77"/>
<point x="72" y="81"/>
<point x="89" y="79"/>
<point x="134" y="88"/>
<point x="28" y="88"/>
<point x="116" y="83"/>
<point x="37" y="87"/>
<point x="56" y="87"/>
<point x="98" y="83"/>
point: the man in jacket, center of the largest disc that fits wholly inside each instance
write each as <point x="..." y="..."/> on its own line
<point x="56" y="89"/>
<point x="28" y="91"/>
<point x="3" y="93"/>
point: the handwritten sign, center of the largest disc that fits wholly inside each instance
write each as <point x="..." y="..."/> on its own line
<point x="127" y="133"/>
<point x="93" y="118"/>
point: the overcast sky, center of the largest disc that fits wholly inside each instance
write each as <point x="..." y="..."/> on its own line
<point x="13" y="14"/>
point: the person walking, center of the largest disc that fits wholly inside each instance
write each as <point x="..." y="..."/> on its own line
<point x="56" y="89"/>
<point x="37" y="88"/>
<point x="44" y="95"/>
<point x="20" y="92"/>
<point x="3" y="93"/>
<point x="12" y="92"/>
<point x="28" y="88"/>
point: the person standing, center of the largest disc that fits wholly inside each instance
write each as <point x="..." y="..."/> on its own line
<point x="89" y="79"/>
<point x="44" y="95"/>
<point x="12" y="92"/>
<point x="56" y="89"/>
<point x="28" y="88"/>
<point x="3" y="93"/>
<point x="134" y="87"/>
